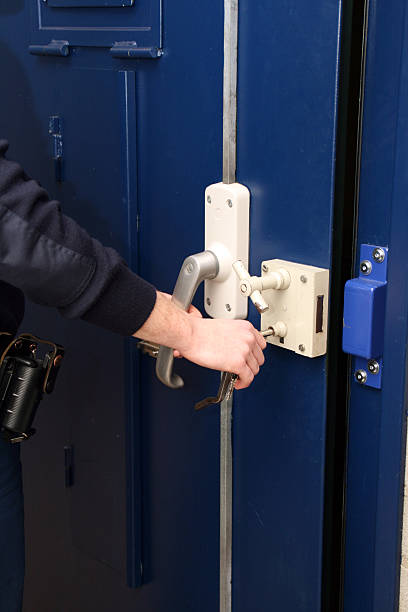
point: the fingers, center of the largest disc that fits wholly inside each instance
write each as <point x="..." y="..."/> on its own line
<point x="258" y="354"/>
<point x="246" y="376"/>
<point x="260" y="339"/>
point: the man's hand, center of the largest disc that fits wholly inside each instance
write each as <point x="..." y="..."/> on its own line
<point x="229" y="346"/>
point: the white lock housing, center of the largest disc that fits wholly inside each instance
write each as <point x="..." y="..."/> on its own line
<point x="302" y="307"/>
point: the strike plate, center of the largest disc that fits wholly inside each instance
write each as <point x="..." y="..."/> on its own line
<point x="302" y="307"/>
<point x="227" y="236"/>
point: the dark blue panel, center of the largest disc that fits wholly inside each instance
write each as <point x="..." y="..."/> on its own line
<point x="287" y="121"/>
<point x="97" y="25"/>
<point x="88" y="3"/>
<point x="378" y="419"/>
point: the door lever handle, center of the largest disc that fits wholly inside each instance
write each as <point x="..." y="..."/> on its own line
<point x="194" y="270"/>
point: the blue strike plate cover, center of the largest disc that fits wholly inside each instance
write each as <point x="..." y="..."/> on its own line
<point x="364" y="314"/>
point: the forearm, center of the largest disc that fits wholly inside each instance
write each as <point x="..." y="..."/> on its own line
<point x="55" y="262"/>
<point x="167" y="325"/>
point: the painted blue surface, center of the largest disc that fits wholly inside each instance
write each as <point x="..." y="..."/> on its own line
<point x="364" y="308"/>
<point x="377" y="420"/>
<point x="96" y="23"/>
<point x="142" y="140"/>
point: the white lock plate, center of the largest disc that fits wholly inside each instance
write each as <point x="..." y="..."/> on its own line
<point x="226" y="235"/>
<point x="303" y="307"/>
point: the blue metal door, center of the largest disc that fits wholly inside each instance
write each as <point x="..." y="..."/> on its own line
<point x="377" y="417"/>
<point x="117" y="109"/>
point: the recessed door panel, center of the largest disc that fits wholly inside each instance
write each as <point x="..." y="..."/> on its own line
<point x="96" y="23"/>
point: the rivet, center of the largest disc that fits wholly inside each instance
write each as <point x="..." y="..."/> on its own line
<point x="361" y="376"/>
<point x="228" y="307"/>
<point x="209" y="199"/>
<point x="229" y="202"/>
<point x="373" y="366"/>
<point x="378" y="254"/>
<point x="366" y="267"/>
<point x="302" y="348"/>
<point x="303" y="278"/>
<point x="265" y="268"/>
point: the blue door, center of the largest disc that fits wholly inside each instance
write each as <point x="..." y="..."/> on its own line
<point x="116" y="107"/>
<point x="377" y="411"/>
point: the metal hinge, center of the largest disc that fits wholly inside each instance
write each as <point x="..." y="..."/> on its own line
<point x="130" y="49"/>
<point x="55" y="47"/>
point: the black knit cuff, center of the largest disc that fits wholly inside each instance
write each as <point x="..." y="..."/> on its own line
<point x="125" y="305"/>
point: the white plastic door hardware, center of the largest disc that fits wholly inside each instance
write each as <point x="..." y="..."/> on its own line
<point x="226" y="239"/>
<point x="227" y="236"/>
<point x="302" y="307"/>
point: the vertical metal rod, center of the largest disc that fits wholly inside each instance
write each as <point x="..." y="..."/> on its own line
<point x="229" y="163"/>
<point x="229" y="158"/>
<point x="226" y="507"/>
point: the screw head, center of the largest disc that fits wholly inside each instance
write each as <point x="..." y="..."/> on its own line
<point x="243" y="287"/>
<point x="208" y="300"/>
<point x="366" y="267"/>
<point x="227" y="307"/>
<point x="209" y="199"/>
<point x="373" y="366"/>
<point x="378" y="254"/>
<point x="189" y="268"/>
<point x="361" y="376"/>
<point x="264" y="268"/>
<point x="303" y="278"/>
<point x="302" y="348"/>
<point x="229" y="202"/>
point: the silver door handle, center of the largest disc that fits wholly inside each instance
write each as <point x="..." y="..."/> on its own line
<point x="194" y="270"/>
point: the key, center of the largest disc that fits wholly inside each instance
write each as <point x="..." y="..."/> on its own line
<point x="226" y="388"/>
<point x="227" y="385"/>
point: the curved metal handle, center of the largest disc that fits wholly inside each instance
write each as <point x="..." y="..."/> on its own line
<point x="194" y="270"/>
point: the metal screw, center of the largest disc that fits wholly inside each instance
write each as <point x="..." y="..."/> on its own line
<point x="229" y="202"/>
<point x="378" y="255"/>
<point x="303" y="278"/>
<point x="302" y="348"/>
<point x="373" y="366"/>
<point x="228" y="307"/>
<point x="366" y="267"/>
<point x="189" y="268"/>
<point x="361" y="376"/>
<point x="243" y="287"/>
<point x="209" y="199"/>
<point x="265" y="268"/>
<point x="208" y="302"/>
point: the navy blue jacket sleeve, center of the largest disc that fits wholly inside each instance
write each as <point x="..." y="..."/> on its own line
<point x="55" y="262"/>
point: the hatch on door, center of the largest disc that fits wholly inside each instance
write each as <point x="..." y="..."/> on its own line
<point x="97" y="23"/>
